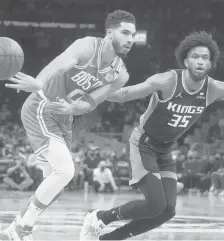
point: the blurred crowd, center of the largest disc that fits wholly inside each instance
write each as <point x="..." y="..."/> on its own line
<point x="98" y="168"/>
<point x="202" y="174"/>
<point x="166" y="23"/>
<point x="200" y="165"/>
<point x="199" y="153"/>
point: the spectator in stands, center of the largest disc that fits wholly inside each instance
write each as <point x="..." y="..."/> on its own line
<point x="17" y="177"/>
<point x="203" y="181"/>
<point x="217" y="177"/>
<point x="221" y="126"/>
<point x="123" y="156"/>
<point x="91" y="162"/>
<point x="77" y="181"/>
<point x="5" y="114"/>
<point x="5" y="164"/>
<point x="214" y="133"/>
<point x="110" y="156"/>
<point x="108" y="153"/>
<point x="179" y="158"/>
<point x="7" y="151"/>
<point x="122" y="169"/>
<point x="103" y="179"/>
<point x="188" y="176"/>
<point x="92" y="158"/>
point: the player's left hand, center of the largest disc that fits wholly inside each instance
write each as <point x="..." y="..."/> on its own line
<point x="24" y="82"/>
<point x="61" y="107"/>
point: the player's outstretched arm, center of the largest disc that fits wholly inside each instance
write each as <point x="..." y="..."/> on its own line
<point x="152" y="84"/>
<point x="70" y="57"/>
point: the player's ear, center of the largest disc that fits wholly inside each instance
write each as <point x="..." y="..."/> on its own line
<point x="210" y="65"/>
<point x="186" y="63"/>
<point x="109" y="32"/>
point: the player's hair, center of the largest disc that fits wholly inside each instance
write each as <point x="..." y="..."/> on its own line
<point x="194" y="40"/>
<point x="115" y="18"/>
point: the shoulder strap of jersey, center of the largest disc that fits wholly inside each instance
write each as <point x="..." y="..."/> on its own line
<point x="117" y="68"/>
<point x="178" y="72"/>
<point x="206" y="83"/>
<point x="100" y="43"/>
<point x="179" y="86"/>
<point x="97" y="53"/>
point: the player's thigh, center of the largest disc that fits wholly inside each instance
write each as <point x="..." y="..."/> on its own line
<point x="46" y="137"/>
<point x="40" y="126"/>
<point x="142" y="157"/>
<point x="64" y="155"/>
<point x="167" y="168"/>
<point x="45" y="166"/>
<point x="152" y="188"/>
<point x="58" y="156"/>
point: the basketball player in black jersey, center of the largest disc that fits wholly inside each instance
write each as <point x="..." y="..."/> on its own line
<point x="179" y="97"/>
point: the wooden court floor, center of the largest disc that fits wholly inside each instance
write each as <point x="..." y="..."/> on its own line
<point x="198" y="217"/>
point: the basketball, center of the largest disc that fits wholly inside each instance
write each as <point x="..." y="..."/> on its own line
<point x="11" y="58"/>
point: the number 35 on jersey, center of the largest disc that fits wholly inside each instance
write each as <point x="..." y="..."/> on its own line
<point x="180" y="121"/>
<point x="182" y="114"/>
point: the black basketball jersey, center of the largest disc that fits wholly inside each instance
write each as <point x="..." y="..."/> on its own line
<point x="166" y="121"/>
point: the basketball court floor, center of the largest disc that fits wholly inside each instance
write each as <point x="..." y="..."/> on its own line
<point x="198" y="217"/>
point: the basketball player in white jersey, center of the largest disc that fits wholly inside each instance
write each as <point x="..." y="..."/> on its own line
<point x="179" y="98"/>
<point x="75" y="82"/>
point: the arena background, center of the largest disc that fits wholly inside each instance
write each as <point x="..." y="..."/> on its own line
<point x="44" y="28"/>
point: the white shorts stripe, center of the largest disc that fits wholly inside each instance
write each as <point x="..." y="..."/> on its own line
<point x="41" y="149"/>
<point x="38" y="158"/>
<point x="43" y="125"/>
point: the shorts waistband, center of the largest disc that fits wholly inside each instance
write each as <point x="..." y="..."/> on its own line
<point x="42" y="95"/>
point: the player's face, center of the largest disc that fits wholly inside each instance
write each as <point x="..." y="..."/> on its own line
<point x="123" y="38"/>
<point x="198" y="62"/>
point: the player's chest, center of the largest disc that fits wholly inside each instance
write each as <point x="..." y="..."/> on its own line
<point x="90" y="78"/>
<point x="183" y="103"/>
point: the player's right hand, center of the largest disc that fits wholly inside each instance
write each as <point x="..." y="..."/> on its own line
<point x="61" y="107"/>
<point x="24" y="82"/>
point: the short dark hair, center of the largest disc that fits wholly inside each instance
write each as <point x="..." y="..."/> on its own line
<point x="115" y="18"/>
<point x="197" y="39"/>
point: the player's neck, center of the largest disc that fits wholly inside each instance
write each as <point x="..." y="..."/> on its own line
<point x="108" y="54"/>
<point x="190" y="83"/>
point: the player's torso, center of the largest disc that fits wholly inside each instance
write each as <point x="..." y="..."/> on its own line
<point x="83" y="78"/>
<point x="166" y="121"/>
<point x="80" y="79"/>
